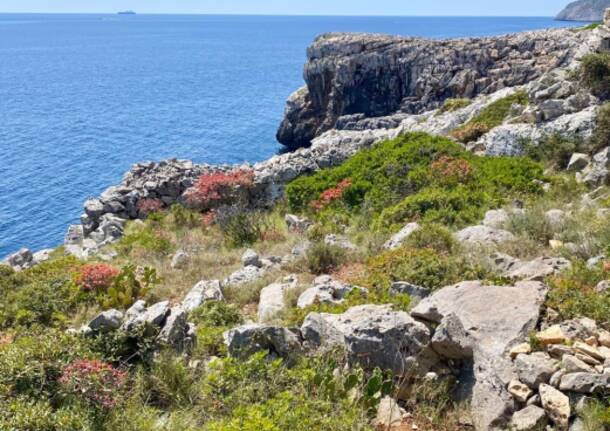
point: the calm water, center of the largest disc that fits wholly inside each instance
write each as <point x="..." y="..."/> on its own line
<point x="82" y="97"/>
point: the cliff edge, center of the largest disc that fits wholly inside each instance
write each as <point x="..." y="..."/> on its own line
<point x="584" y="10"/>
<point x="379" y="75"/>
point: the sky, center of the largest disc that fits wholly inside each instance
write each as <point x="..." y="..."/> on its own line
<point x="296" y="7"/>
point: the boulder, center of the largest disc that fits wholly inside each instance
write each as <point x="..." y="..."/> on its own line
<point x="400" y="237"/>
<point x="519" y="391"/>
<point x="155" y="314"/>
<point x="538" y="269"/>
<point x="535" y="368"/>
<point x="492" y="320"/>
<point x="42" y="256"/>
<point x="496" y="219"/>
<point x="176" y="329"/>
<point x="245" y="340"/>
<point x="133" y="316"/>
<point x="531" y="418"/>
<point x="415" y="292"/>
<point x="180" y="260"/>
<point x="108" y="320"/>
<point x="578" y="162"/>
<point x="372" y="335"/>
<point x="23" y="259"/>
<point x="571" y="364"/>
<point x="551" y="335"/>
<point x="326" y="290"/>
<point x="390" y="415"/>
<point x="244" y="275"/>
<point x="555" y="218"/>
<point x="251" y="258"/>
<point x="556" y="405"/>
<point x="588" y="350"/>
<point x="339" y="241"/>
<point x="206" y="290"/>
<point x="484" y="235"/>
<point x="272" y="300"/>
<point x="585" y="383"/>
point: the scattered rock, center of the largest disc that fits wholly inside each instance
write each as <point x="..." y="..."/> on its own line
<point x="248" y="339"/>
<point x="585" y="383"/>
<point x="326" y="290"/>
<point x="538" y="269"/>
<point x="531" y="418"/>
<point x="207" y="290"/>
<point x="108" y="320"/>
<point x="552" y="335"/>
<point x="296" y="223"/>
<point x="339" y="241"/>
<point x="244" y="275"/>
<point x="496" y="219"/>
<point x="523" y="348"/>
<point x="572" y="364"/>
<point x="535" y="368"/>
<point x="519" y="391"/>
<point x="484" y="235"/>
<point x="21" y="260"/>
<point x="251" y="258"/>
<point x="556" y="405"/>
<point x="389" y="414"/>
<point x="272" y="298"/>
<point x="415" y="292"/>
<point x="578" y="162"/>
<point x="176" y="329"/>
<point x="180" y="260"/>
<point x="400" y="237"/>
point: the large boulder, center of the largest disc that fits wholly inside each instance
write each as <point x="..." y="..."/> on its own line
<point x="326" y="290"/>
<point x="372" y="335"/>
<point x="206" y="290"/>
<point x="484" y="322"/>
<point x="23" y="259"/>
<point x="108" y="320"/>
<point x="272" y="300"/>
<point x="484" y="235"/>
<point x="245" y="340"/>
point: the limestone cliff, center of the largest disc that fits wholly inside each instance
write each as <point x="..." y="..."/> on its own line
<point x="378" y="75"/>
<point x="584" y="10"/>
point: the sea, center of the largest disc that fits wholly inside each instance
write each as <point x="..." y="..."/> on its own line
<point x="83" y="97"/>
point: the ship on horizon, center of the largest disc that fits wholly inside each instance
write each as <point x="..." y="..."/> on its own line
<point x="126" y="12"/>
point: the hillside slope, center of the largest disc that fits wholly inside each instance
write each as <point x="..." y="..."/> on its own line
<point x="584" y="10"/>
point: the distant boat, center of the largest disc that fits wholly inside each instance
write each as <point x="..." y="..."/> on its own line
<point x="127" y="12"/>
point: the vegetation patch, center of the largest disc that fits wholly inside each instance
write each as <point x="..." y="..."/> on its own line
<point x="595" y="74"/>
<point x="452" y="105"/>
<point x="490" y="117"/>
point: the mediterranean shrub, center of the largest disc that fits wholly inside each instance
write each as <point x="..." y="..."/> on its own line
<point x="556" y="150"/>
<point x="148" y="206"/>
<point x="323" y="258"/>
<point x="490" y="117"/>
<point x="331" y="195"/>
<point x="451" y="105"/>
<point x="595" y="74"/>
<point x="601" y="133"/>
<point x="239" y="226"/>
<point x="128" y="286"/>
<point x="220" y="188"/>
<point x="95" y="382"/>
<point x="433" y="236"/>
<point x="96" y="277"/>
<point x="22" y="413"/>
<point x="212" y="320"/>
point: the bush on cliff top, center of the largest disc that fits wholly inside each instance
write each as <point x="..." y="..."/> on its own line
<point x="490" y="117"/>
<point x="418" y="177"/>
<point x="595" y="74"/>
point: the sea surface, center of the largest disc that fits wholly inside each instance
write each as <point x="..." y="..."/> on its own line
<point x="83" y="97"/>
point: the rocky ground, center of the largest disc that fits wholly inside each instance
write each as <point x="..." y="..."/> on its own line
<point x="460" y="288"/>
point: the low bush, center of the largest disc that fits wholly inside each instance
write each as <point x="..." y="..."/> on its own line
<point x="595" y="74"/>
<point x="433" y="236"/>
<point x="556" y="150"/>
<point x="324" y="258"/>
<point x="452" y="105"/>
<point x="148" y="238"/>
<point x="96" y="277"/>
<point x="25" y="414"/>
<point x="572" y="294"/>
<point x="212" y="320"/>
<point x="601" y="133"/>
<point x="490" y="117"/>
<point x="128" y="286"/>
<point x="220" y="188"/>
<point x="240" y="227"/>
<point x="149" y="206"/>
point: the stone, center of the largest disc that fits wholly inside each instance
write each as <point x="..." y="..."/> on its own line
<point x="389" y="414"/>
<point x="555" y="218"/>
<point x="523" y="348"/>
<point x="580" y="328"/>
<point x="585" y="383"/>
<point x="296" y="223"/>
<point x="272" y="298"/>
<point x="416" y="293"/>
<point x="496" y="219"/>
<point x="339" y="241"/>
<point x="42" y="256"/>
<point x="326" y="290"/>
<point x="531" y="418"/>
<point x="23" y="259"/>
<point x="108" y="320"/>
<point x="534" y="401"/>
<point x="206" y="290"/>
<point x="156" y="314"/>
<point x="180" y="260"/>
<point x="556" y="378"/>
<point x="588" y="350"/>
<point x="587" y="359"/>
<point x="451" y="340"/>
<point x="519" y="391"/>
<point x="494" y="318"/>
<point x="578" y="162"/>
<point x="551" y="335"/>
<point x="535" y="368"/>
<point x="484" y="235"/>
<point x="556" y="405"/>
<point x="175" y="330"/>
<point x="399" y="238"/>
<point x="245" y="340"/>
<point x="538" y="269"/>
<point x="572" y="364"/>
<point x="248" y="274"/>
<point x="133" y="315"/>
<point x="251" y="258"/>
<point x="604" y="338"/>
<point x="559" y="350"/>
<point x="372" y="335"/>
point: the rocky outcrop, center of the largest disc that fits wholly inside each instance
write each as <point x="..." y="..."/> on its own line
<point x="584" y="10"/>
<point x="358" y="76"/>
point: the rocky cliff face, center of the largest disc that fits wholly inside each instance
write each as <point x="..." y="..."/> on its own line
<point x="377" y="75"/>
<point x="584" y="10"/>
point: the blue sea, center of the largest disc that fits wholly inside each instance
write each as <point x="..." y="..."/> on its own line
<point x="83" y="97"/>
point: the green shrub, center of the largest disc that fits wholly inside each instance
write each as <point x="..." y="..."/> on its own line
<point x="589" y="27"/>
<point x="420" y="177"/>
<point x="184" y="217"/>
<point x="451" y="105"/>
<point x="148" y="239"/>
<point x="433" y="236"/>
<point x="595" y="74"/>
<point x="212" y="320"/>
<point x="556" y="150"/>
<point x="23" y="414"/>
<point x="490" y="117"/>
<point x="241" y="227"/>
<point x="129" y="286"/>
<point x="572" y="294"/>
<point x="601" y="132"/>
<point x="323" y="258"/>
<point x="422" y="267"/>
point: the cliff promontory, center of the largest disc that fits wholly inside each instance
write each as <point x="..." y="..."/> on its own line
<point x="377" y="75"/>
<point x="584" y="10"/>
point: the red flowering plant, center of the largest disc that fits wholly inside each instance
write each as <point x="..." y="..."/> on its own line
<point x="96" y="277"/>
<point x="148" y="206"/>
<point x="220" y="188"/>
<point x="331" y="195"/>
<point x="97" y="383"/>
<point x="448" y="169"/>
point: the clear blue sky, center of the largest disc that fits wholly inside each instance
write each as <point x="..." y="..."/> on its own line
<point x="296" y="7"/>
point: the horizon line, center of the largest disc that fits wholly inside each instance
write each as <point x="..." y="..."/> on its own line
<point x="285" y="15"/>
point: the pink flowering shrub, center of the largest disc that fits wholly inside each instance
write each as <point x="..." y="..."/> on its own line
<point x="331" y="195"/>
<point x="96" y="277"/>
<point x="96" y="382"/>
<point x="149" y="206"/>
<point x="213" y="190"/>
